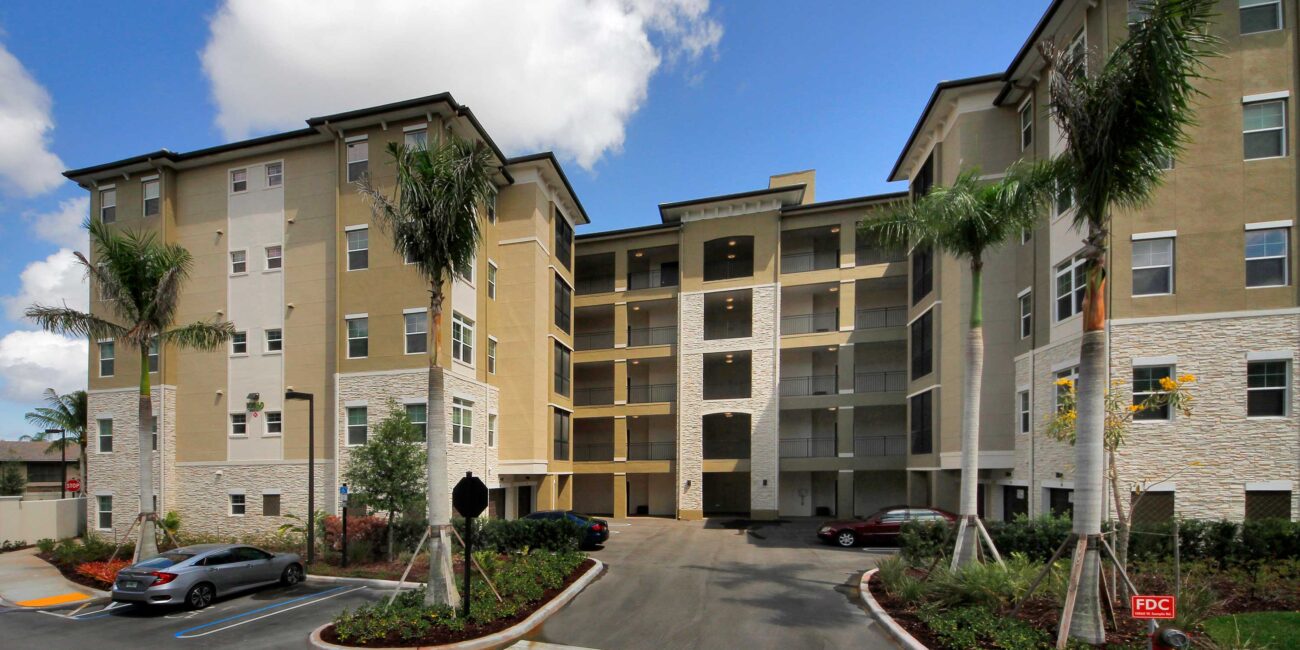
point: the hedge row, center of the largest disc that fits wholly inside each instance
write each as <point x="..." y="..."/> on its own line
<point x="501" y="535"/>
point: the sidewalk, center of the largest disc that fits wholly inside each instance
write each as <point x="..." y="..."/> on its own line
<point x="29" y="581"/>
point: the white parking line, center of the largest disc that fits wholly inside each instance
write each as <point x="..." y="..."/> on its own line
<point x="185" y="634"/>
<point x="76" y="616"/>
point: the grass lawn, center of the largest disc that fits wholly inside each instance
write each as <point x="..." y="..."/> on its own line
<point x="1260" y="629"/>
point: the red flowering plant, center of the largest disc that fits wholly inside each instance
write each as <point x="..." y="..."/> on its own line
<point x="102" y="572"/>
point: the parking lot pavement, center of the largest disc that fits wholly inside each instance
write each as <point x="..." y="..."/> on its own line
<point x="274" y="617"/>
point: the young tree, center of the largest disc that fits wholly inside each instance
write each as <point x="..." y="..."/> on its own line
<point x="66" y="412"/>
<point x="433" y="218"/>
<point x="968" y="220"/>
<point x="12" y="482"/>
<point x="1121" y="126"/>
<point x="387" y="473"/>
<point x="140" y="279"/>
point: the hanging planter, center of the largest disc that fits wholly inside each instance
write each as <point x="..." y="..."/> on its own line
<point x="255" y="403"/>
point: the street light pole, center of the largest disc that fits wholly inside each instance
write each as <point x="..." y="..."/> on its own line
<point x="63" y="455"/>
<point x="311" y="469"/>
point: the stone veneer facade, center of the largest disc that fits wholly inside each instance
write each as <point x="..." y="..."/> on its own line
<point x="117" y="473"/>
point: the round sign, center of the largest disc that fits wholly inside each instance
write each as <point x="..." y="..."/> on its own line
<point x="74" y="485"/>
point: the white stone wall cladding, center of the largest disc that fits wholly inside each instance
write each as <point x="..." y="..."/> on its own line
<point x="1232" y="448"/>
<point x="203" y="500"/>
<point x="118" y="473"/>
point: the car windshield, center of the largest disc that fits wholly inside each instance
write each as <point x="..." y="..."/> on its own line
<point x="165" y="560"/>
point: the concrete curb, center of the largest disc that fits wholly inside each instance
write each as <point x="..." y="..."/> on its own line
<point x="497" y="639"/>
<point x="886" y="621"/>
<point x="369" y="582"/>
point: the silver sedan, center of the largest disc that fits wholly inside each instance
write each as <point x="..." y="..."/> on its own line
<point x="195" y="575"/>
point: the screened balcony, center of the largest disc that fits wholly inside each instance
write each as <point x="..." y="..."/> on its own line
<point x="593" y="327"/>
<point x="651" y="380"/>
<point x="867" y="251"/>
<point x="879" y="431"/>
<point x="651" y="437"/>
<point x="593" y="439"/>
<point x="880" y="367"/>
<point x="594" y="273"/>
<point x="726" y="436"/>
<point x="593" y="384"/>
<point x="728" y="314"/>
<point x="808" y="309"/>
<point x="808" y="433"/>
<point x="650" y="268"/>
<point x="809" y="371"/>
<point x="652" y="322"/>
<point x="810" y="249"/>
<point x="880" y="302"/>
<point x="727" y="375"/>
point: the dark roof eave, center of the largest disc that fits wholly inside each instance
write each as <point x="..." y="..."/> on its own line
<point x="800" y="187"/>
<point x="1026" y="48"/>
<point x="929" y="105"/>
<point x="635" y="230"/>
<point x="549" y="156"/>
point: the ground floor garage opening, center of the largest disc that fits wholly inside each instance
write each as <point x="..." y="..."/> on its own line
<point x="726" y="493"/>
<point x="808" y="494"/>
<point x="650" y="495"/>
<point x="593" y="494"/>
<point x="875" y="490"/>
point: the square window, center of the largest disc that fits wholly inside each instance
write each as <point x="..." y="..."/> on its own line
<point x="417" y="332"/>
<point x="492" y="356"/>
<point x="417" y="138"/>
<point x="239" y="180"/>
<point x="270" y="505"/>
<point x="239" y="343"/>
<point x="1026" y="315"/>
<point x="238" y="262"/>
<point x="108" y="205"/>
<point x="274" y="174"/>
<point x="1260" y="16"/>
<point x="358" y="429"/>
<point x="1267" y="260"/>
<point x="358" y="249"/>
<point x="238" y="424"/>
<point x="462" y="338"/>
<point x="1266" y="388"/>
<point x="358" y="338"/>
<point x="105" y="436"/>
<point x="462" y="421"/>
<point x="274" y="425"/>
<point x="104" y="510"/>
<point x="274" y="258"/>
<point x="274" y="340"/>
<point x="1263" y="129"/>
<point x="106" y="358"/>
<point x="1146" y="382"/>
<point x="237" y="505"/>
<point x="1153" y="267"/>
<point x="358" y="160"/>
<point x="151" y="202"/>
<point x="418" y="414"/>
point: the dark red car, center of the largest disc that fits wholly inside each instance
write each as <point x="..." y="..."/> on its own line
<point x="881" y="527"/>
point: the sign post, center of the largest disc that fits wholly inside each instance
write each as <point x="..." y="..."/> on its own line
<point x="343" y="499"/>
<point x="469" y="497"/>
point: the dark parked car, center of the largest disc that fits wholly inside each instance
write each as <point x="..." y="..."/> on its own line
<point x="597" y="529"/>
<point x="881" y="527"/>
<point x="194" y="575"/>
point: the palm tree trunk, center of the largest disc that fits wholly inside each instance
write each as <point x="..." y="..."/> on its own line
<point x="966" y="551"/>
<point x="147" y="546"/>
<point x="441" y="585"/>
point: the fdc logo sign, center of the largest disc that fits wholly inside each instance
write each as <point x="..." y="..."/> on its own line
<point x="1152" y="606"/>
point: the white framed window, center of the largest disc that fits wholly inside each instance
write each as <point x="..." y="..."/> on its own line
<point x="1153" y="266"/>
<point x="238" y="424"/>
<point x="274" y="257"/>
<point x="491" y="281"/>
<point x="104" y="511"/>
<point x="154" y="354"/>
<point x="492" y="429"/>
<point x="1079" y="51"/>
<point x="1267" y="388"/>
<point x="462" y="338"/>
<point x="274" y="174"/>
<point x="462" y="421"/>
<point x="1071" y="282"/>
<point x="1146" y="382"/>
<point x="1027" y="124"/>
<point x="1267" y="258"/>
<point x="1023" y="412"/>
<point x="238" y="180"/>
<point x="492" y="356"/>
<point x="417" y="331"/>
<point x="153" y="430"/>
<point x="418" y="414"/>
<point x="149" y="189"/>
<point x="1260" y="16"/>
<point x="358" y="337"/>
<point x="358" y="428"/>
<point x="237" y="505"/>
<point x="105" y="435"/>
<point x="1072" y="374"/>
<point x="107" y="358"/>
<point x="1064" y="201"/>
<point x="416" y="137"/>
<point x="358" y="159"/>
<point x="274" y="423"/>
<point x="238" y="262"/>
<point x="274" y="340"/>
<point x="239" y="343"/>
<point x="1263" y="129"/>
<point x="358" y="249"/>
<point x="108" y="205"/>
<point x="492" y="208"/>
<point x="1026" y="314"/>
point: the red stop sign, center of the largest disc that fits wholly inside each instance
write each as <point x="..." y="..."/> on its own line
<point x="74" y="484"/>
<point x="1152" y="606"/>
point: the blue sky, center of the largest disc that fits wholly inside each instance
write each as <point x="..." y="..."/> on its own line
<point x="688" y="98"/>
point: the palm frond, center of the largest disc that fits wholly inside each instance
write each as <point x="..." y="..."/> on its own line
<point x="71" y="322"/>
<point x="202" y="335"/>
<point x="66" y="412"/>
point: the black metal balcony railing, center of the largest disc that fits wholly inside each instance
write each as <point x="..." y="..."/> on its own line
<point x="826" y="321"/>
<point x="651" y="279"/>
<point x="880" y="445"/>
<point x="595" y="451"/>
<point x="871" y="255"/>
<point x="815" y="261"/>
<point x="651" y="450"/>
<point x="727" y="329"/>
<point x="638" y="336"/>
<point x="813" y="385"/>
<point x="602" y="284"/>
<point x="725" y="449"/>
<point x="875" y="317"/>
<point x="561" y="450"/>
<point x="815" y="447"/>
<point x="890" y="381"/>
<point x="593" y="340"/>
<point x="728" y="269"/>
<point x="593" y="396"/>
<point x="651" y="393"/>
<point x="726" y="390"/>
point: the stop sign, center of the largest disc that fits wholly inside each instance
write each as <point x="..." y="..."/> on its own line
<point x="74" y="485"/>
<point x="470" y="496"/>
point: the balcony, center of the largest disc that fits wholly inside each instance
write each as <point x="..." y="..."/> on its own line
<point x="593" y="340"/>
<point x="667" y="277"/>
<point x="810" y="385"/>
<point x="890" y="381"/>
<point x="593" y="327"/>
<point x="643" y="336"/>
<point x="880" y="367"/>
<point x="593" y="452"/>
<point x="728" y="314"/>
<point x="725" y="449"/>
<point x="652" y="268"/>
<point x="650" y="393"/>
<point x="867" y="251"/>
<point x="593" y="384"/>
<point x="895" y="445"/>
<point x="728" y="258"/>
<point x="801" y="262"/>
<point x="810" y="249"/>
<point x="726" y="436"/>
<point x="812" y="447"/>
<point x="652" y="450"/>
<point x="594" y="273"/>
<point x="593" y="439"/>
<point x="593" y="396"/>
<point x="827" y="321"/>
<point x="807" y="309"/>
<point x="877" y="317"/>
<point x="652" y="322"/>
<point x="652" y="437"/>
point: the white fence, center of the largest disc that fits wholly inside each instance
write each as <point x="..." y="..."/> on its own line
<point x="32" y="519"/>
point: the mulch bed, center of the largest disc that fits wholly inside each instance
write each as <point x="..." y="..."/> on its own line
<point x="442" y="636"/>
<point x="69" y="571"/>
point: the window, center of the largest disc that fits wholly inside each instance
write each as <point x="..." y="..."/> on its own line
<point x="274" y="174"/>
<point x="274" y="340"/>
<point x="492" y="429"/>
<point x="462" y="338"/>
<point x="238" y="262"/>
<point x="492" y="356"/>
<point x="563" y="304"/>
<point x="922" y="273"/>
<point x="1022" y="408"/>
<point x="150" y="190"/>
<point x="270" y="505"/>
<point x="108" y="205"/>
<point x="358" y="337"/>
<point x="1260" y="16"/>
<point x="358" y="249"/>
<point x="1266" y="258"/>
<point x="1138" y="11"/>
<point x="239" y="343"/>
<point x="239" y="180"/>
<point x="44" y="473"/>
<point x="1027" y="124"/>
<point x="357" y="427"/>
<point x="563" y="239"/>
<point x="492" y="209"/>
<point x="274" y="258"/>
<point x="1153" y="266"/>
<point x="1070" y="286"/>
<point x="274" y="423"/>
<point x="1263" y="129"/>
<point x="238" y="424"/>
<point x="462" y="421"/>
<point x="563" y="369"/>
<point x="153" y="430"/>
<point x="237" y="505"/>
<point x="1079" y="52"/>
<point x="1064" y="201"/>
<point x="1266" y="389"/>
<point x="104" y="508"/>
<point x="418" y="414"/>
<point x="106" y="358"/>
<point x="922" y="437"/>
<point x="153" y="354"/>
<point x="1026" y="314"/>
<point x="492" y="281"/>
<point x="105" y="436"/>
<point x="922" y="345"/>
<point x="1267" y="504"/>
<point x="1146" y="382"/>
<point x="416" y="137"/>
<point x="467" y="273"/>
<point x="561" y="434"/>
<point x="358" y="159"/>
<point x="1061" y="389"/>
<point x="417" y="331"/>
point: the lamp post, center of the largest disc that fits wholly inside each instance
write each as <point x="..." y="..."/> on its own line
<point x="63" y="456"/>
<point x="311" y="469"/>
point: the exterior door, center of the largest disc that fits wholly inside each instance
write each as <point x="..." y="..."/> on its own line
<point x="524" y="503"/>
<point x="1015" y="501"/>
<point x="1061" y="501"/>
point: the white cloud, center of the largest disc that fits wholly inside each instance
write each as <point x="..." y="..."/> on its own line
<point x="63" y="225"/>
<point x="57" y="280"/>
<point x="564" y="75"/>
<point x="27" y="167"/>
<point x="31" y="361"/>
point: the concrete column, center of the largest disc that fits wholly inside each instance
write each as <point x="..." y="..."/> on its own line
<point x="844" y="432"/>
<point x="844" y="363"/>
<point x="620" y="438"/>
<point x="848" y="243"/>
<point x="620" y="495"/>
<point x="620" y="324"/>
<point x="620" y="381"/>
<point x="844" y="494"/>
<point x="620" y="270"/>
<point x="848" y="298"/>
<point x="546" y="493"/>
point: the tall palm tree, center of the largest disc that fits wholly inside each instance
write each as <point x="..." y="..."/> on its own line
<point x="1121" y="127"/>
<point x="140" y="280"/>
<point x="433" y="219"/>
<point x="967" y="220"/>
<point x="68" y="414"/>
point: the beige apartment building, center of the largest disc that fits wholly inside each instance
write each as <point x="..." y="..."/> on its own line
<point x="750" y="354"/>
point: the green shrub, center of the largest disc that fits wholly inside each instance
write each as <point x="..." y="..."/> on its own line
<point x="516" y="535"/>
<point x="45" y="544"/>
<point x="910" y="590"/>
<point x="977" y="627"/>
<point x="891" y="570"/>
<point x="1035" y="538"/>
<point x="988" y="585"/>
<point x="920" y="542"/>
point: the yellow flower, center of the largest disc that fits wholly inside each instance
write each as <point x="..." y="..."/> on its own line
<point x="1071" y="415"/>
<point x="1133" y="408"/>
<point x="1187" y="378"/>
<point x="1167" y="383"/>
<point x="1064" y="381"/>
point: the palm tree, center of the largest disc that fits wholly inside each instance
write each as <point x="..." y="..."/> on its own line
<point x="66" y="413"/>
<point x="967" y="220"/>
<point x="1121" y="127"/>
<point x="433" y="219"/>
<point x="139" y="279"/>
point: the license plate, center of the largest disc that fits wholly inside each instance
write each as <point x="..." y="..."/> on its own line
<point x="130" y="584"/>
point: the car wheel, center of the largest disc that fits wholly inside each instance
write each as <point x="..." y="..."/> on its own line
<point x="292" y="575"/>
<point x="846" y="538"/>
<point x="200" y="596"/>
